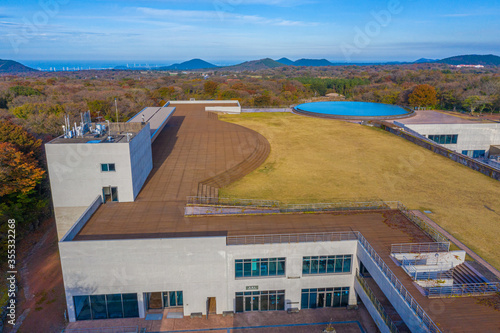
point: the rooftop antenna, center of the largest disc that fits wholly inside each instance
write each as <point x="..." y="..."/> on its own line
<point x="116" y="107"/>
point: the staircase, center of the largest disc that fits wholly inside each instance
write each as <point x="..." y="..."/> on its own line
<point x="207" y="191"/>
<point x="463" y="274"/>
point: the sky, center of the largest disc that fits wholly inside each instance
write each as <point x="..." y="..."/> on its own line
<point x="228" y="31"/>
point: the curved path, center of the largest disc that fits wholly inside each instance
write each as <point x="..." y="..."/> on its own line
<point x="195" y="154"/>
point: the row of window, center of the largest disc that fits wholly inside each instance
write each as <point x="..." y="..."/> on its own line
<point x="324" y="298"/>
<point x="474" y="153"/>
<point x="259" y="267"/>
<point x="444" y="138"/>
<point x="327" y="264"/>
<point x="106" y="306"/>
<point x="276" y="266"/>
<point x="166" y="299"/>
<point x="273" y="300"/>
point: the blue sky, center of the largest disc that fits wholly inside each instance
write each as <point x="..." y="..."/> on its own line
<point x="230" y="30"/>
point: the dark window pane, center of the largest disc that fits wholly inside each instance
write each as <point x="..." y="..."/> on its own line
<point x="247" y="269"/>
<point x="179" y="298"/>
<point x="82" y="307"/>
<point x="171" y="295"/>
<point x="264" y="266"/>
<point x="114" y="194"/>
<point x="239" y="269"/>
<point x="347" y="264"/>
<point x="248" y="303"/>
<point x="264" y="303"/>
<point x="322" y="265"/>
<point x="239" y="303"/>
<point x="338" y="264"/>
<point x="281" y="268"/>
<point x="455" y="139"/>
<point x="255" y="303"/>
<point x="114" y="302"/>
<point x="130" y="306"/>
<point x="336" y="298"/>
<point x="281" y="302"/>
<point x="104" y="167"/>
<point x="312" y="300"/>
<point x="98" y="307"/>
<point x="345" y="297"/>
<point x="329" y="299"/>
<point x="273" y="269"/>
<point x="272" y="302"/>
<point x="304" y="300"/>
<point x="111" y="167"/>
<point x="314" y="266"/>
<point x="330" y="266"/>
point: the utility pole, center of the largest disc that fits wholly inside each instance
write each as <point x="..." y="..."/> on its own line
<point x="116" y="107"/>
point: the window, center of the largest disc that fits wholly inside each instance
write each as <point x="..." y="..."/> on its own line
<point x="260" y="301"/>
<point x="166" y="299"/>
<point x="110" y="193"/>
<point x="326" y="264"/>
<point x="107" y="167"/>
<point x="444" y="138"/>
<point x="474" y="153"/>
<point x="106" y="306"/>
<point x="324" y="298"/>
<point x="259" y="267"/>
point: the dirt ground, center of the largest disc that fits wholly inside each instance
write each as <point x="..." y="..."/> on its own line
<point x="41" y="293"/>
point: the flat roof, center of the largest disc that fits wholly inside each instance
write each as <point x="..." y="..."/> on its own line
<point x="440" y="117"/>
<point x="157" y="117"/>
<point x="194" y="147"/>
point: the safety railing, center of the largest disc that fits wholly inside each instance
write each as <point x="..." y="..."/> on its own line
<point x="336" y="206"/>
<point x="424" y="226"/>
<point x="292" y="238"/>
<point x="123" y="329"/>
<point x="439" y="272"/>
<point x="194" y="200"/>
<point x="464" y="290"/>
<point x="421" y="247"/>
<point x="408" y="298"/>
<point x="378" y="306"/>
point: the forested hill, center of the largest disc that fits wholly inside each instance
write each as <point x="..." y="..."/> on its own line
<point x="472" y="59"/>
<point x="11" y="66"/>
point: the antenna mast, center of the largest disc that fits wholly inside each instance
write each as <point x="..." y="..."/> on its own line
<point x="116" y="107"/>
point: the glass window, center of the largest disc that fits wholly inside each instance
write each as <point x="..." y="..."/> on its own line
<point x="304" y="300"/>
<point x="114" y="303"/>
<point x="239" y="303"/>
<point x="264" y="267"/>
<point x="82" y="307"/>
<point x="111" y="167"/>
<point x="338" y="264"/>
<point x="179" y="298"/>
<point x="347" y="264"/>
<point x="239" y="268"/>
<point x="171" y="295"/>
<point x="314" y="265"/>
<point x="330" y="266"/>
<point x="322" y="265"/>
<point x="130" y="306"/>
<point x="306" y="266"/>
<point x="281" y="267"/>
<point x="259" y="267"/>
<point x="255" y="267"/>
<point x="273" y="266"/>
<point x="281" y="301"/>
<point x="345" y="297"/>
<point x="104" y="167"/>
<point x="247" y="268"/>
<point x="98" y="307"/>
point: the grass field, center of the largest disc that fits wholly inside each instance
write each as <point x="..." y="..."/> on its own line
<point x="319" y="160"/>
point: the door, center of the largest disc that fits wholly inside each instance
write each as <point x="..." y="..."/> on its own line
<point x="212" y="307"/>
<point x="321" y="300"/>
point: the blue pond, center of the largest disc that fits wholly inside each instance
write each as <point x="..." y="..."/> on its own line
<point x="352" y="109"/>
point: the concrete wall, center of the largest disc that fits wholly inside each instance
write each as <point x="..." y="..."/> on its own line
<point x="377" y="318"/>
<point x="66" y="218"/>
<point x="141" y="159"/>
<point x="200" y="267"/>
<point x="470" y="136"/>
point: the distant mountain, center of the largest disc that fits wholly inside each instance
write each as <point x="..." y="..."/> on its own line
<point x="285" y="61"/>
<point x="312" y="62"/>
<point x="189" y="65"/>
<point x="255" y="65"/>
<point x="424" y="61"/>
<point x="12" y="67"/>
<point x="472" y="59"/>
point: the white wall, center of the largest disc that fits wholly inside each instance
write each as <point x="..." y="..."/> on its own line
<point x="200" y="267"/>
<point x="470" y="136"/>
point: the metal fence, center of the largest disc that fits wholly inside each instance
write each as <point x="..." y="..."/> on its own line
<point x="415" y="274"/>
<point x="193" y="200"/>
<point x="336" y="206"/>
<point x="464" y="290"/>
<point x="421" y="247"/>
<point x="292" y="238"/>
<point x="408" y="298"/>
<point x="380" y="309"/>
<point x="124" y="329"/>
<point x="424" y="226"/>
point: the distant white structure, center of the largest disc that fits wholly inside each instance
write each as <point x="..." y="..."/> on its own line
<point x="469" y="66"/>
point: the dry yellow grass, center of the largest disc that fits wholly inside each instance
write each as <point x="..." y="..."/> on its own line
<point x="319" y="160"/>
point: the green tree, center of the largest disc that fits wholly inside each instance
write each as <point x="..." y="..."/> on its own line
<point x="24" y="91"/>
<point x="423" y="95"/>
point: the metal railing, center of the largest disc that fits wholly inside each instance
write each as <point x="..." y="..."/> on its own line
<point x="292" y="238"/>
<point x="464" y="290"/>
<point x="421" y="247"/>
<point x="336" y="206"/>
<point x="123" y="329"/>
<point x="407" y="297"/>
<point x="194" y="200"/>
<point x="378" y="306"/>
<point x="424" y="226"/>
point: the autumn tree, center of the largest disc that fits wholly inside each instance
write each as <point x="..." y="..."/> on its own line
<point x="423" y="95"/>
<point x="210" y="87"/>
<point x="22" y="140"/>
